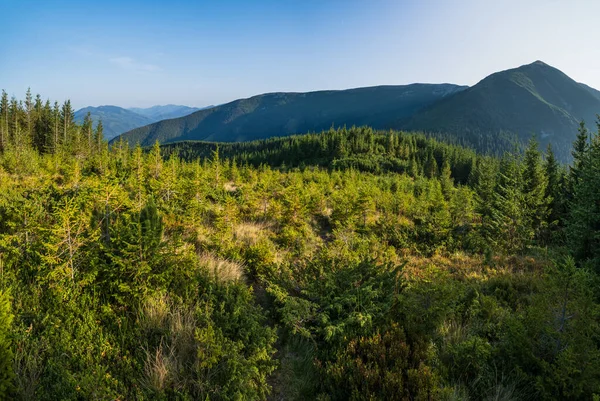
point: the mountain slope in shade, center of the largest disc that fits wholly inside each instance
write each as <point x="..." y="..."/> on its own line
<point x="165" y="112"/>
<point x="594" y="92"/>
<point x="279" y="114"/>
<point x="115" y="120"/>
<point x="534" y="99"/>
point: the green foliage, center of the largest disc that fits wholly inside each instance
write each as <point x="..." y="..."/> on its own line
<point x="277" y="114"/>
<point x="6" y="355"/>
<point x="351" y="271"/>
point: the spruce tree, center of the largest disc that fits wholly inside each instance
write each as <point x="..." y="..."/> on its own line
<point x="580" y="147"/>
<point x="509" y="217"/>
<point x="534" y="188"/>
<point x="584" y="223"/>
<point x="3" y="121"/>
<point x="554" y="190"/>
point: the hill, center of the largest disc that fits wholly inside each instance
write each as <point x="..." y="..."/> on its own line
<point x="157" y="113"/>
<point x="506" y="107"/>
<point x="115" y="120"/>
<point x="532" y="99"/>
<point x="278" y="114"/>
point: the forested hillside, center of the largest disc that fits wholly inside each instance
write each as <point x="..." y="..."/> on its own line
<point x="506" y="107"/>
<point x="278" y="114"/>
<point x="200" y="272"/>
<point x="116" y="120"/>
<point x="532" y="99"/>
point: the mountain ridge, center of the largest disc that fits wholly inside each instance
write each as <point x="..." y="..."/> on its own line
<point x="265" y="115"/>
<point x="117" y="120"/>
<point x="534" y="99"/>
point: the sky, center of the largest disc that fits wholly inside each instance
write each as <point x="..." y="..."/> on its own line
<point x="199" y="53"/>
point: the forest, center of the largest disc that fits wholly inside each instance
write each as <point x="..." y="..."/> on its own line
<point x="351" y="264"/>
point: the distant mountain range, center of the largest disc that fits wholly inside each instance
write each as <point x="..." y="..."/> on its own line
<point x="534" y="99"/>
<point x="277" y="114"/>
<point x="117" y="120"/>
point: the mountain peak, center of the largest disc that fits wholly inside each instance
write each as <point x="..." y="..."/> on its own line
<point x="540" y="63"/>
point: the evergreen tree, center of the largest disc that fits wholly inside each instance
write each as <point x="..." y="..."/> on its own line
<point x="483" y="181"/>
<point x="580" y="147"/>
<point x="554" y="191"/>
<point x="6" y="355"/>
<point x="584" y="222"/>
<point x="4" y="110"/>
<point x="99" y="135"/>
<point x="534" y="189"/>
<point x="509" y="216"/>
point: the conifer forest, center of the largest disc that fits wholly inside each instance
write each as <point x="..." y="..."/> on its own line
<point x="350" y="264"/>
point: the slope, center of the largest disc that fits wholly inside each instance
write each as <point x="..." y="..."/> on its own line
<point x="532" y="99"/>
<point x="115" y="120"/>
<point x="157" y="113"/>
<point x="278" y="114"/>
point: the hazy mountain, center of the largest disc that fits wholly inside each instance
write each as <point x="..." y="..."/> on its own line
<point x="532" y="99"/>
<point x="115" y="120"/>
<point x="158" y="113"/>
<point x="277" y="114"/>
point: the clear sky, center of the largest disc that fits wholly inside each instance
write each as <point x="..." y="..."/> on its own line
<point x="194" y="52"/>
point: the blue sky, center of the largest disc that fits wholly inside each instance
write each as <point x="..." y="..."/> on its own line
<point x="142" y="53"/>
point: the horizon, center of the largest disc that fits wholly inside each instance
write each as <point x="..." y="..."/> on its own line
<point x="107" y="53"/>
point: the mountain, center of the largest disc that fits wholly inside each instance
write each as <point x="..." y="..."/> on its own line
<point x="158" y="113"/>
<point x="115" y="120"/>
<point x="594" y="92"/>
<point x="278" y="114"/>
<point x="507" y="106"/>
<point x="532" y="99"/>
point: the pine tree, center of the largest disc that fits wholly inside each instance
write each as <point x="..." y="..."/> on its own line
<point x="584" y="223"/>
<point x="87" y="129"/>
<point x="580" y="147"/>
<point x="151" y="229"/>
<point x="99" y="135"/>
<point x="483" y="181"/>
<point x="534" y="189"/>
<point x="4" y="121"/>
<point x="6" y="357"/>
<point x="446" y="180"/>
<point x="29" y="113"/>
<point x="554" y="191"/>
<point x="67" y="117"/>
<point x="509" y="217"/>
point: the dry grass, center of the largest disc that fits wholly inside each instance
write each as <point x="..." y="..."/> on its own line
<point x="155" y="313"/>
<point x="461" y="266"/>
<point x="159" y="368"/>
<point x="249" y="233"/>
<point x="222" y="270"/>
<point x="230" y="186"/>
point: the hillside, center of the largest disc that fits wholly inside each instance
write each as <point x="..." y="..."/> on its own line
<point x="532" y="99"/>
<point x="350" y="264"/>
<point x="507" y="105"/>
<point x="276" y="114"/>
<point x="157" y="113"/>
<point x="115" y="120"/>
